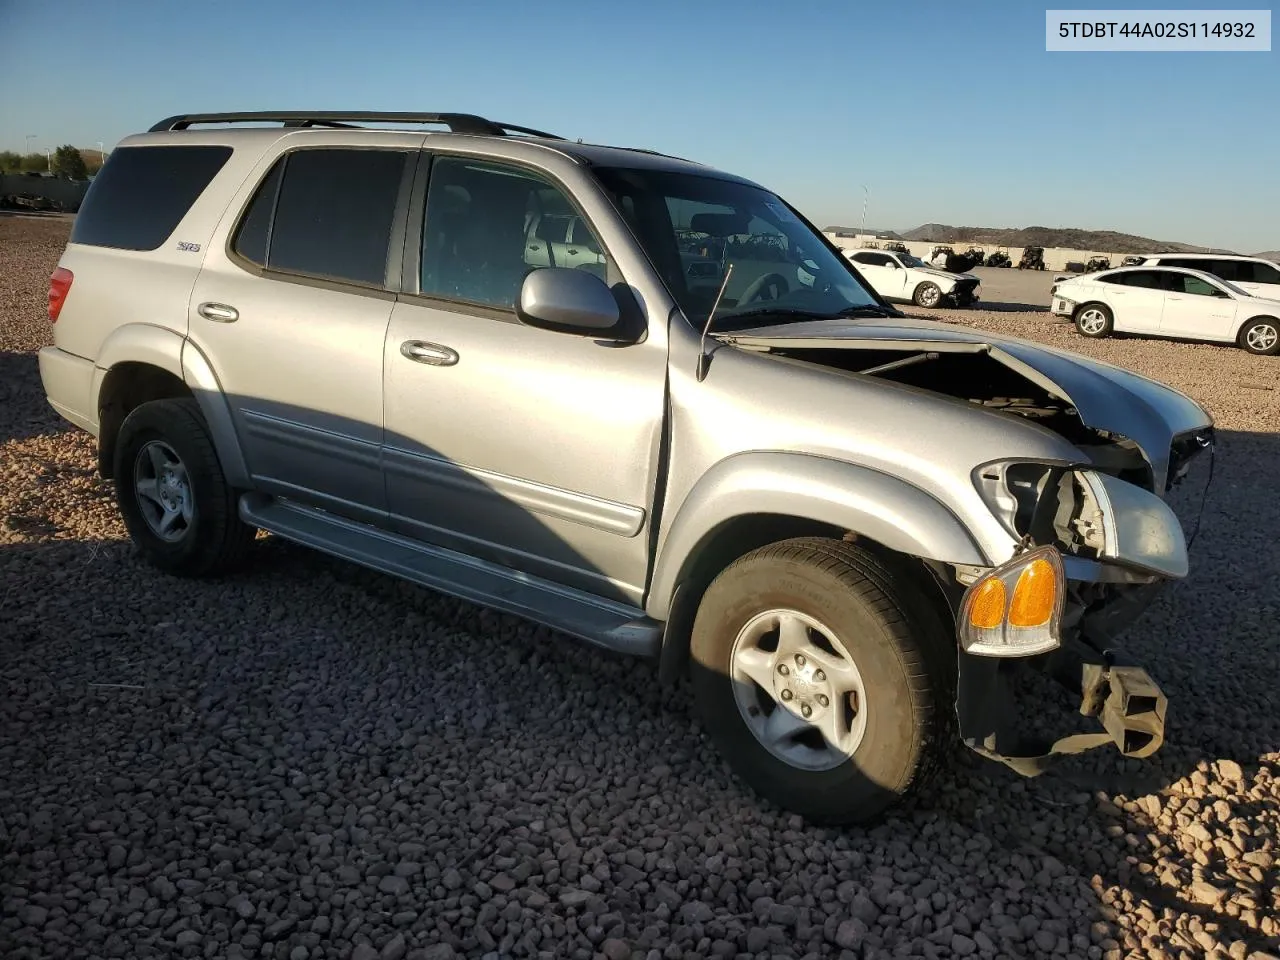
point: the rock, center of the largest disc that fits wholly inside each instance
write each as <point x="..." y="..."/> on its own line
<point x="866" y="911"/>
<point x="1230" y="770"/>
<point x="575" y="898"/>
<point x="850" y="933"/>
<point x="393" y="885"/>
<point x="364" y="951"/>
<point x="962" y="946"/>
<point x="395" y="948"/>
<point x="696" y="911"/>
<point x="1205" y="892"/>
<point x="615" y="949"/>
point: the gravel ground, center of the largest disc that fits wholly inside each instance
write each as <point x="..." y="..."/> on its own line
<point x="313" y="761"/>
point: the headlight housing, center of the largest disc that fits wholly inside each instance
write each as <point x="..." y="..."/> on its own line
<point x="1052" y="503"/>
<point x="1084" y="513"/>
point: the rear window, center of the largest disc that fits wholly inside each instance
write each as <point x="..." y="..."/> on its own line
<point x="142" y="193"/>
<point x="325" y="212"/>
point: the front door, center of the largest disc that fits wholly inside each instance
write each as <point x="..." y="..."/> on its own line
<point x="292" y="314"/>
<point x="526" y="447"/>
<point x="1196" y="308"/>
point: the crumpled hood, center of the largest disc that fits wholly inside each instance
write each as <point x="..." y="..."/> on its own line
<point x="939" y="272"/>
<point x="1107" y="397"/>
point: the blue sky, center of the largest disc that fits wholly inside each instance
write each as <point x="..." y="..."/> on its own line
<point x="947" y="112"/>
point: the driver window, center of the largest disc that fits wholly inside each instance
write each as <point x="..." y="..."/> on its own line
<point x="488" y="226"/>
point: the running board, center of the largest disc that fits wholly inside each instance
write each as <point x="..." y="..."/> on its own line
<point x="606" y="623"/>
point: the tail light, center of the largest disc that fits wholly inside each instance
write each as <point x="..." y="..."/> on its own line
<point x="59" y="287"/>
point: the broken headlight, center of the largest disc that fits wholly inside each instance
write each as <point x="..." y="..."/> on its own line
<point x="1084" y="513"/>
<point x="1052" y="503"/>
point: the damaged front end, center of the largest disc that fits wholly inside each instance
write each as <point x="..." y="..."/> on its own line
<point x="1094" y="549"/>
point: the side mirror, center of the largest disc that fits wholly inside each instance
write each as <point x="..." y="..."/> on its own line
<point x="568" y="301"/>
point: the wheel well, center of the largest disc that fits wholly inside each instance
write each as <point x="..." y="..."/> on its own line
<point x="741" y="535"/>
<point x="125" y="386"/>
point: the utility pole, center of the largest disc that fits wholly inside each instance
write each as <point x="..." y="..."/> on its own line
<point x="866" y="196"/>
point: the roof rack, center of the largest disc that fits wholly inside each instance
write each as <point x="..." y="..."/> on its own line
<point x="456" y="122"/>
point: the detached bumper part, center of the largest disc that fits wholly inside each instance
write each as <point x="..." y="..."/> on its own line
<point x="1012" y="619"/>
<point x="1128" y="703"/>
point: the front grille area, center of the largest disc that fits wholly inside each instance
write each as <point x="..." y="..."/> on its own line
<point x="1191" y="456"/>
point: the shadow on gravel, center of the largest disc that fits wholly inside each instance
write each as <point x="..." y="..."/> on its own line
<point x="24" y="412"/>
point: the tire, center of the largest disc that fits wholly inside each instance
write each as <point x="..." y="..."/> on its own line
<point x="1094" y="320"/>
<point x="927" y="294"/>
<point x="1261" y="336"/>
<point x="205" y="536"/>
<point x="882" y="623"/>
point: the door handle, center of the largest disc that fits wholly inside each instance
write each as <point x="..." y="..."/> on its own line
<point x="219" y="312"/>
<point x="432" y="353"/>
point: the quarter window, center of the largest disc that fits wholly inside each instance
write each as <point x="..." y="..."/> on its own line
<point x="142" y="193"/>
<point x="325" y="213"/>
<point x="490" y="225"/>
<point x="1251" y="272"/>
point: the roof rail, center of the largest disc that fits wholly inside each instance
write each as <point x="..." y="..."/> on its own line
<point x="456" y="122"/>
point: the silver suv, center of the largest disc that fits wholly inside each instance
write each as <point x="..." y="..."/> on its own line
<point x="638" y="400"/>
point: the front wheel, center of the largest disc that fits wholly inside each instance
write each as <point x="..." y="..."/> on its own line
<point x="174" y="499"/>
<point x="821" y="679"/>
<point x="927" y="295"/>
<point x="1261" y="335"/>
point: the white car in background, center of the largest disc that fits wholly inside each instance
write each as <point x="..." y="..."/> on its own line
<point x="1251" y="274"/>
<point x="1168" y="302"/>
<point x="905" y="278"/>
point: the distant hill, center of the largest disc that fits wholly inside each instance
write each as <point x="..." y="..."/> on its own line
<point x="1272" y="255"/>
<point x="1068" y="237"/>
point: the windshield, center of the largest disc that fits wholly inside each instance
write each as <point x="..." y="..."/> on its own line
<point x="694" y="227"/>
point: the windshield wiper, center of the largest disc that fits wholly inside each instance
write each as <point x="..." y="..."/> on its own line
<point x="868" y="310"/>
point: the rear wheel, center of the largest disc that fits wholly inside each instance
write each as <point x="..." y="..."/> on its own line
<point x="174" y="498"/>
<point x="1094" y="320"/>
<point x="1261" y="335"/>
<point x="822" y="678"/>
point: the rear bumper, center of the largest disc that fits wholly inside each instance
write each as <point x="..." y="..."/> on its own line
<point x="68" y="386"/>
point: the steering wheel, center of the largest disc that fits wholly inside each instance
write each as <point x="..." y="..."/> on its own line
<point x="776" y="281"/>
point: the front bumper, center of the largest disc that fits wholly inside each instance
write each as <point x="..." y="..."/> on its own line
<point x="1122" y="698"/>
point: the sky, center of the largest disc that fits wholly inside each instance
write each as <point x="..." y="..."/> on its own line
<point x="944" y="112"/>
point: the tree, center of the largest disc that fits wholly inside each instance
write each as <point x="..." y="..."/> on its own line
<point x="10" y="161"/>
<point x="35" y="162"/>
<point x="68" y="163"/>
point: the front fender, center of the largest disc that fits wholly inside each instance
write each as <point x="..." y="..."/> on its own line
<point x="873" y="504"/>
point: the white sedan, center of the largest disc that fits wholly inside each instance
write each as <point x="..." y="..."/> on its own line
<point x="902" y="277"/>
<point x="1168" y="302"/>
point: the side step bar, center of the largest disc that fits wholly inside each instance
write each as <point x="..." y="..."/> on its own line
<point x="615" y="626"/>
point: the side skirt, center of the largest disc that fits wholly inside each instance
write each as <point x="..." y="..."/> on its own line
<point x="605" y="623"/>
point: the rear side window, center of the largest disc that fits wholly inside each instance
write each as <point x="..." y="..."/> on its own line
<point x="325" y="213"/>
<point x="142" y="193"/>
<point x="1250" y="272"/>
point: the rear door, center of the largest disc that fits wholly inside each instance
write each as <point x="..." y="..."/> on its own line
<point x="1136" y="298"/>
<point x="291" y="308"/>
<point x="1195" y="308"/>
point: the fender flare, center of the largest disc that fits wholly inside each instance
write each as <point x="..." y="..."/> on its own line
<point x="868" y="502"/>
<point x="170" y="351"/>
